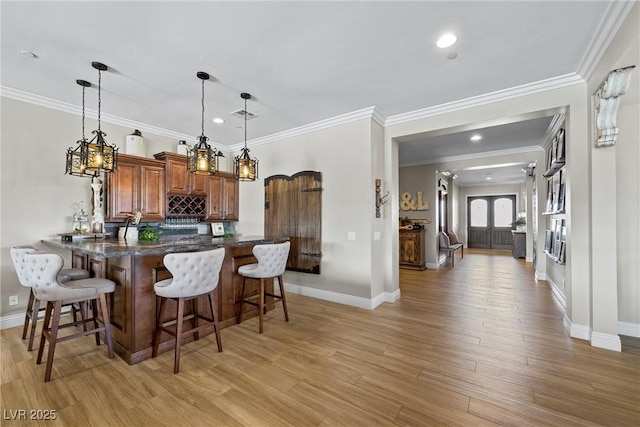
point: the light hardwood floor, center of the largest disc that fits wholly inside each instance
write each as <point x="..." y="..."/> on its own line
<point x="480" y="344"/>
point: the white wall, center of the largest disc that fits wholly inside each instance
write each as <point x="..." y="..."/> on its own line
<point x="343" y="155"/>
<point x="619" y="179"/>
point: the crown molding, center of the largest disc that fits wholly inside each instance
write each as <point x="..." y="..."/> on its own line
<point x="365" y="113"/>
<point x="607" y="28"/>
<point x="552" y="130"/>
<point x="93" y="114"/>
<point x="476" y="101"/>
<point x="482" y="155"/>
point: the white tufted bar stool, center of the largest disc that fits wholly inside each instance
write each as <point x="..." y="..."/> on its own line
<point x="272" y="261"/>
<point x="43" y="270"/>
<point x="195" y="274"/>
<point x="33" y="305"/>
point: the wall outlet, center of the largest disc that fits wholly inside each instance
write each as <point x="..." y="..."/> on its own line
<point x="13" y="300"/>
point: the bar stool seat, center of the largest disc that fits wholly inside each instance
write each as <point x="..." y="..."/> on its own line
<point x="33" y="304"/>
<point x="43" y="272"/>
<point x="272" y="262"/>
<point x="195" y="274"/>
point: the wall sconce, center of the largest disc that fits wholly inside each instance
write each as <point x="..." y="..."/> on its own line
<point x="606" y="104"/>
<point x="380" y="200"/>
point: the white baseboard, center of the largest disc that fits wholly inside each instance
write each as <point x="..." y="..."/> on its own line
<point x="575" y="330"/>
<point x="557" y="293"/>
<point x="629" y="329"/>
<point x="606" y="341"/>
<point x="11" y="321"/>
<point x="540" y="276"/>
<point x="351" y="300"/>
<point x="432" y="266"/>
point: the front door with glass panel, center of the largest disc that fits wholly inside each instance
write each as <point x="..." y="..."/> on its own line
<point x="489" y="221"/>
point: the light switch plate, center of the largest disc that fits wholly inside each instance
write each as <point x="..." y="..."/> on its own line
<point x="351" y="235"/>
<point x="376" y="235"/>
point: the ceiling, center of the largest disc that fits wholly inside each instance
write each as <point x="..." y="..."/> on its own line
<point x="303" y="61"/>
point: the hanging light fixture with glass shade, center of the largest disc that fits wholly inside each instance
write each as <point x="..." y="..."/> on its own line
<point x="76" y="163"/>
<point x="245" y="166"/>
<point x="201" y="158"/>
<point x="100" y="155"/>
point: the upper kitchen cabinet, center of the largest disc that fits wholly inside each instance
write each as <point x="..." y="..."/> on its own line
<point x="179" y="181"/>
<point x="222" y="197"/>
<point x="138" y="184"/>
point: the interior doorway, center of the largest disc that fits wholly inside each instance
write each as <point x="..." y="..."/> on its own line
<point x="489" y="221"/>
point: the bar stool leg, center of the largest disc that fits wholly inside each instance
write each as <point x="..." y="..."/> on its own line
<point x="261" y="305"/>
<point x="283" y="298"/>
<point x="53" y="338"/>
<point x="35" y="309"/>
<point x="216" y="329"/>
<point x="158" y="330"/>
<point x="239" y="319"/>
<point x="106" y="322"/>
<point x="94" y="308"/>
<point x="194" y="320"/>
<point x="179" y="317"/>
<point x="28" y="315"/>
<point x="45" y="326"/>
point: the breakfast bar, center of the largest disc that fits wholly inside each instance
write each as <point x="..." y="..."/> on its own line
<point x="135" y="266"/>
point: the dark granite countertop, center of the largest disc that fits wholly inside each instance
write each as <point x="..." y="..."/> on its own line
<point x="110" y="248"/>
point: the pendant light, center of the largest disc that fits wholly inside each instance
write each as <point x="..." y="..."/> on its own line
<point x="245" y="166"/>
<point x="201" y="158"/>
<point x="75" y="164"/>
<point x="100" y="156"/>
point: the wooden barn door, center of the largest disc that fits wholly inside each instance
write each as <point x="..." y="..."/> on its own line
<point x="292" y="208"/>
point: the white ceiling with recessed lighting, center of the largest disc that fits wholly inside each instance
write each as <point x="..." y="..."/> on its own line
<point x="303" y="61"/>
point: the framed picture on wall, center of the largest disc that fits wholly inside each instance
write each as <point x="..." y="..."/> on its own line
<point x="560" y="147"/>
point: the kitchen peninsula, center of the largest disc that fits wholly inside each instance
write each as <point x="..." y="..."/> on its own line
<point x="136" y="266"/>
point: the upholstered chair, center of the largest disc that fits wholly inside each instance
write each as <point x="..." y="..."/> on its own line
<point x="33" y="304"/>
<point x="195" y="274"/>
<point x="272" y="261"/>
<point x="43" y="271"/>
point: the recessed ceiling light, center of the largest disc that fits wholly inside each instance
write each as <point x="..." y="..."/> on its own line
<point x="446" y="40"/>
<point x="476" y="137"/>
<point x="452" y="55"/>
<point x="28" y="54"/>
<point x="218" y="120"/>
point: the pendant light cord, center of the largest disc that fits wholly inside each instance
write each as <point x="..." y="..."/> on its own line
<point x="245" y="124"/>
<point x="83" y="137"/>
<point x="99" y="97"/>
<point x="202" y="108"/>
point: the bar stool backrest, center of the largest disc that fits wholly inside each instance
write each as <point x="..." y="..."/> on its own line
<point x="272" y="259"/>
<point x="194" y="273"/>
<point x="43" y="271"/>
<point x="19" y="263"/>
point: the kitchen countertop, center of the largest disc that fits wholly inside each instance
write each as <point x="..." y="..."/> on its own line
<point x="110" y="248"/>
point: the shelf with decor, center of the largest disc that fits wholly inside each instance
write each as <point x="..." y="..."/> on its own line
<point x="556" y="223"/>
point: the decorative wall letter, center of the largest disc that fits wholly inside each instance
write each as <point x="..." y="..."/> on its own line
<point x="407" y="202"/>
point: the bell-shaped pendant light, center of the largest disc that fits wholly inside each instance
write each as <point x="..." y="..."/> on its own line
<point x="245" y="166"/>
<point x="201" y="158"/>
<point x="100" y="155"/>
<point x="76" y="163"/>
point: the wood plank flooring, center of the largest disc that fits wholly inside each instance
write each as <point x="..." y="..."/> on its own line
<point x="477" y="345"/>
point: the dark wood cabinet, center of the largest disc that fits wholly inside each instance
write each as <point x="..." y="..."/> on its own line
<point x="519" y="244"/>
<point x="138" y="184"/>
<point x="412" y="249"/>
<point x="179" y="181"/>
<point x="222" y="197"/>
